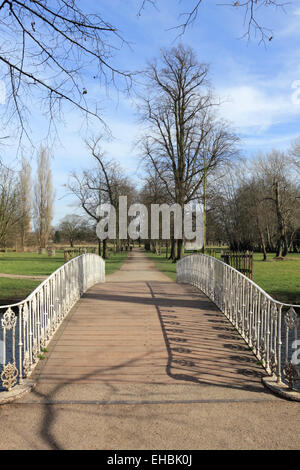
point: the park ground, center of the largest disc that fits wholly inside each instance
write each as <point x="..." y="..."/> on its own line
<point x="33" y="268"/>
<point x="144" y="363"/>
<point x="279" y="278"/>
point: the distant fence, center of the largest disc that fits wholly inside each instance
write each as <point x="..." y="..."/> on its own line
<point x="242" y="262"/>
<point x="70" y="253"/>
<point x="211" y="252"/>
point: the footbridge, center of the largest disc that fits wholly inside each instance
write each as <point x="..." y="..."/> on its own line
<point x="148" y="360"/>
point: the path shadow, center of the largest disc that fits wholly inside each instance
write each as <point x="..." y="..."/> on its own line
<point x="52" y="406"/>
<point x="203" y="347"/>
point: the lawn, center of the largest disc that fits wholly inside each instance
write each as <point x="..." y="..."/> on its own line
<point x="115" y="261"/>
<point x="33" y="264"/>
<point x="30" y="264"/>
<point x="164" y="265"/>
<point x="14" y="290"/>
<point x="280" y="279"/>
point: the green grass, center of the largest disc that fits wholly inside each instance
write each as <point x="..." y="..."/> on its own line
<point x="280" y="279"/>
<point x="164" y="265"/>
<point x="33" y="264"/>
<point x="16" y="289"/>
<point x="114" y="262"/>
<point x="30" y="264"/>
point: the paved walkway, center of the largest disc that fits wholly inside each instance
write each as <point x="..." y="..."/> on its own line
<point x="144" y="363"/>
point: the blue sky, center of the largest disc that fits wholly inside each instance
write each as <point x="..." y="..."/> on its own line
<point x="255" y="82"/>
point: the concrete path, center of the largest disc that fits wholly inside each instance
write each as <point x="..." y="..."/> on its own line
<point x="144" y="363"/>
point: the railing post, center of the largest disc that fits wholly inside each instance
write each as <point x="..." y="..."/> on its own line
<point x="20" y="344"/>
<point x="279" y="375"/>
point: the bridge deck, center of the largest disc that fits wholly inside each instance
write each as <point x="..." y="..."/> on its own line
<point x="144" y="363"/>
<point x="141" y="328"/>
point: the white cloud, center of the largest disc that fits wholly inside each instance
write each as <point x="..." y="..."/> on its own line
<point x="292" y="25"/>
<point x="255" y="109"/>
<point x="281" y="142"/>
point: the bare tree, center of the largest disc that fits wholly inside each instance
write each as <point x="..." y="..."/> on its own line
<point x="81" y="185"/>
<point x="25" y="201"/>
<point x="294" y="154"/>
<point x="283" y="194"/>
<point x="257" y="205"/>
<point x="153" y="191"/>
<point x="43" y="198"/>
<point x="103" y="184"/>
<point x="228" y="208"/>
<point x="184" y="140"/>
<point x="71" y="228"/>
<point x="9" y="203"/>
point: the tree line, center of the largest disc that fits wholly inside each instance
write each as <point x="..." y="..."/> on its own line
<point x="256" y="205"/>
<point x="189" y="154"/>
<point x="26" y="203"/>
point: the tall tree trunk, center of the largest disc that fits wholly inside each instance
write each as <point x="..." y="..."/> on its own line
<point x="263" y="244"/>
<point x="204" y="205"/>
<point x="156" y="247"/>
<point x="173" y="252"/>
<point x="260" y="230"/>
<point x="22" y="241"/>
<point x="282" y="241"/>
<point x="270" y="243"/>
<point x="104" y="246"/>
<point x="181" y="241"/>
<point x="180" y="249"/>
<point x="291" y="243"/>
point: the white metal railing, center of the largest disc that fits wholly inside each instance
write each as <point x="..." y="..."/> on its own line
<point x="27" y="327"/>
<point x="270" y="328"/>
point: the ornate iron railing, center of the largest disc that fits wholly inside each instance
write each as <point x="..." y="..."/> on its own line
<point x="27" y="327"/>
<point x="270" y="328"/>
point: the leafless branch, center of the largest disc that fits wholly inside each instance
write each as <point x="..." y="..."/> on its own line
<point x="253" y="25"/>
<point x="52" y="50"/>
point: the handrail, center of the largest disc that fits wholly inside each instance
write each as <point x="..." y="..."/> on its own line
<point x="269" y="327"/>
<point x="26" y="327"/>
<point x="38" y="287"/>
<point x="248" y="279"/>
